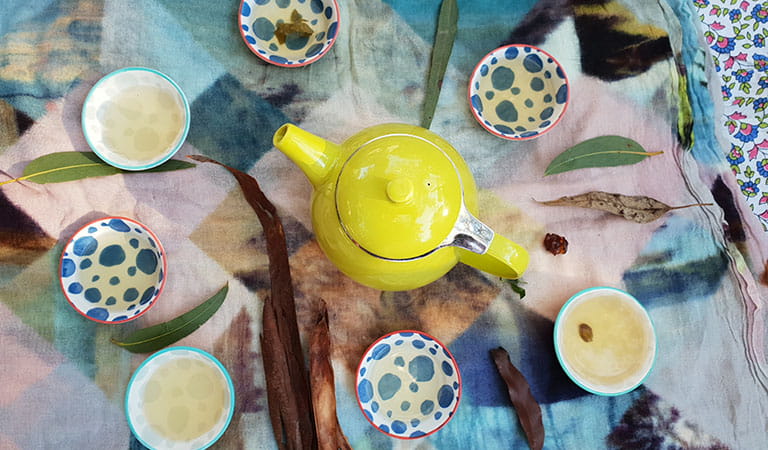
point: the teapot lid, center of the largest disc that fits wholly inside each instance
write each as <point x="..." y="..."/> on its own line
<point x="398" y="196"/>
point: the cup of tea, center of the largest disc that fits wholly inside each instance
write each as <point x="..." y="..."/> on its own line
<point x="135" y="118"/>
<point x="179" y="398"/>
<point x="605" y="341"/>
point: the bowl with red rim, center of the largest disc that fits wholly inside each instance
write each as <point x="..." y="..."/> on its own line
<point x="518" y="92"/>
<point x="408" y="384"/>
<point x="289" y="33"/>
<point x="112" y="270"/>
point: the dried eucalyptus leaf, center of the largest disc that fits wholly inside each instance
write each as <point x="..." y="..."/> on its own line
<point x="637" y="208"/>
<point x="297" y="26"/>
<point x="526" y="406"/>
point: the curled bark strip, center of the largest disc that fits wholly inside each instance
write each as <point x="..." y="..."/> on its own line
<point x="329" y="433"/>
<point x="288" y="391"/>
<point x="528" y="410"/>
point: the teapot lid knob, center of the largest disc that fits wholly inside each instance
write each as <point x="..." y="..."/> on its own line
<point x="400" y="190"/>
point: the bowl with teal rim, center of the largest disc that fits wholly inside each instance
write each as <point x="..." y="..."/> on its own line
<point x="289" y="33"/>
<point x="605" y="341"/>
<point x="518" y="92"/>
<point x="408" y="384"/>
<point x="135" y="118"/>
<point x="113" y="270"/>
<point x="179" y="398"/>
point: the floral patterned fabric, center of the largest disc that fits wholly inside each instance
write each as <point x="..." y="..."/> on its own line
<point x="736" y="32"/>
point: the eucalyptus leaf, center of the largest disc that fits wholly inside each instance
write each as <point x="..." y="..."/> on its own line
<point x="685" y="112"/>
<point x="70" y="166"/>
<point x="602" y="151"/>
<point x="162" y="335"/>
<point x="516" y="288"/>
<point x="441" y="53"/>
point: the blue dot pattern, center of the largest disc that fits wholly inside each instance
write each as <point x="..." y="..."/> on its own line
<point x="85" y="246"/>
<point x="508" y="72"/>
<point x="67" y="267"/>
<point x="258" y="30"/>
<point x="95" y="264"/>
<point x="414" y="360"/>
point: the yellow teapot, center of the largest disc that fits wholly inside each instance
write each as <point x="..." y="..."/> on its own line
<point x="394" y="207"/>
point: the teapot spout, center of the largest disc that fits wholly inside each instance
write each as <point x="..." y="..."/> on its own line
<point x="315" y="156"/>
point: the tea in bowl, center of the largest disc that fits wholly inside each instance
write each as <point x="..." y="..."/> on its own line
<point x="289" y="33"/>
<point x="113" y="269"/>
<point x="408" y="384"/>
<point x="135" y="118"/>
<point x="605" y="341"/>
<point x="179" y="398"/>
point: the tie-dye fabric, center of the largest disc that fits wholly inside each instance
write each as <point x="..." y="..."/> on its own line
<point x="637" y="69"/>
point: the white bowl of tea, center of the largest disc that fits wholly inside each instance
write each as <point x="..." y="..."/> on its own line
<point x="605" y="341"/>
<point x="135" y="118"/>
<point x="179" y="398"/>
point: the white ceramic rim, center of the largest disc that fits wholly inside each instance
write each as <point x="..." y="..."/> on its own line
<point x="206" y="355"/>
<point x="170" y="152"/>
<point x="582" y="384"/>
<point x="480" y="120"/>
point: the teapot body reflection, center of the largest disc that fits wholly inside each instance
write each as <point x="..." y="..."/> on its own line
<point x="394" y="207"/>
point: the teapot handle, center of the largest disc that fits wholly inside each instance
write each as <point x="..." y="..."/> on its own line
<point x="503" y="258"/>
<point x="481" y="248"/>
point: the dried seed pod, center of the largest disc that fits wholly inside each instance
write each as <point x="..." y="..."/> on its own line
<point x="555" y="244"/>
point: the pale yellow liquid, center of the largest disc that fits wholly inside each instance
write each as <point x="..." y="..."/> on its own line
<point x="184" y="399"/>
<point x="142" y="122"/>
<point x="621" y="347"/>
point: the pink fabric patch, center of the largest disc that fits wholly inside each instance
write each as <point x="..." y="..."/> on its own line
<point x="20" y="369"/>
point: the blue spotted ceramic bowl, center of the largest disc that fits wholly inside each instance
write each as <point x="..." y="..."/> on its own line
<point x="408" y="384"/>
<point x="135" y="118"/>
<point x="113" y="270"/>
<point x="518" y="92"/>
<point x="180" y="398"/>
<point x="264" y="27"/>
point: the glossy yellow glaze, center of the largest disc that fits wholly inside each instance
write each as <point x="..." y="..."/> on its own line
<point x="394" y="191"/>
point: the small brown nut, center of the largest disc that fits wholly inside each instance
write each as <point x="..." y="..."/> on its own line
<point x="555" y="244"/>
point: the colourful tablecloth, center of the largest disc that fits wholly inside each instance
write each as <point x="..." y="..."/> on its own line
<point x="637" y="69"/>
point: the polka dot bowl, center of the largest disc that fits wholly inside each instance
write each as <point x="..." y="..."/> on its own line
<point x="179" y="398"/>
<point x="408" y="384"/>
<point x="113" y="270"/>
<point x="135" y="118"/>
<point x="268" y="28"/>
<point x="518" y="92"/>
